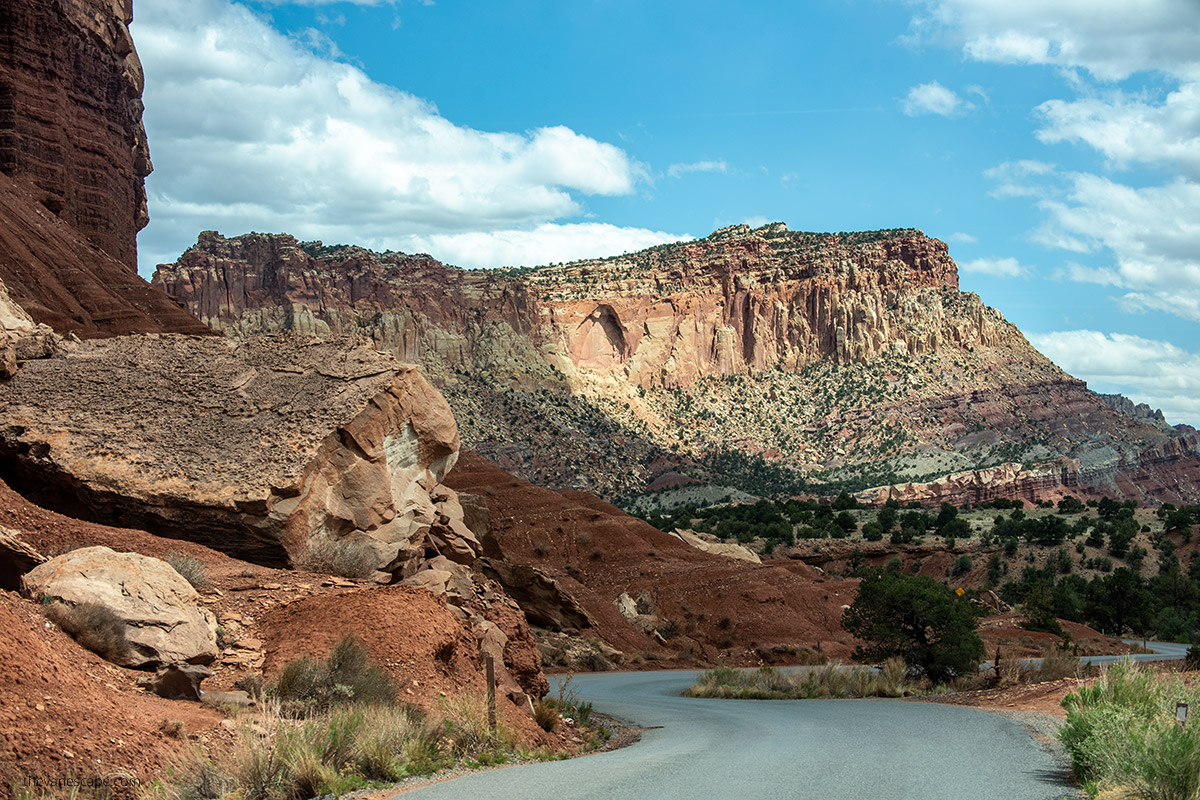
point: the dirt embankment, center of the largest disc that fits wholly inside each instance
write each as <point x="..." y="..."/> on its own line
<point x="66" y="713"/>
<point x="708" y="607"/>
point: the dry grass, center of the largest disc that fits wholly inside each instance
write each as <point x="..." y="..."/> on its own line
<point x="338" y="557"/>
<point x="190" y="568"/>
<point x="94" y="626"/>
<point x="830" y="680"/>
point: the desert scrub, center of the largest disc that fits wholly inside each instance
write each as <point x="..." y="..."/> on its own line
<point x="338" y="557"/>
<point x="345" y="676"/>
<point x="94" y="626"/>
<point x="1121" y="733"/>
<point x="191" y="569"/>
<point x="830" y="680"/>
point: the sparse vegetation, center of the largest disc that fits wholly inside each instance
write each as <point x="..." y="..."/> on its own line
<point x="190" y="568"/>
<point x="1121" y="733"/>
<point x="831" y="680"/>
<point x="346" y="676"/>
<point x="338" y="557"/>
<point x="93" y="625"/>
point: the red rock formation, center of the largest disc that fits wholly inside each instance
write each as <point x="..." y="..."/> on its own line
<point x="816" y="352"/>
<point x="73" y="156"/>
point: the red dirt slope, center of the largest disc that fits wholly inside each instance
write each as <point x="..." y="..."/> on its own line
<point x="717" y="607"/>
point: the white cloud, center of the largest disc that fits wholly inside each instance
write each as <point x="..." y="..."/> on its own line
<point x="933" y="98"/>
<point x="1129" y="130"/>
<point x="551" y="243"/>
<point x="678" y="170"/>
<point x="996" y="267"/>
<point x="250" y="129"/>
<point x="1013" y="178"/>
<point x="959" y="237"/>
<point x="1153" y="233"/>
<point x="1149" y="371"/>
<point x="1111" y="39"/>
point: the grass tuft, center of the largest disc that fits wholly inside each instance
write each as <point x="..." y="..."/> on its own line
<point x="191" y="569"/>
<point x="338" y="557"/>
<point x="94" y="626"/>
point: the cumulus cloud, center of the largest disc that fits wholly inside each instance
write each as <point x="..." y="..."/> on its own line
<point x="1111" y="39"/>
<point x="251" y="129"/>
<point x="1013" y="178"/>
<point x="1153" y="233"/>
<point x="958" y="237"/>
<point x="1130" y="130"/>
<point x="552" y="243"/>
<point x="1149" y="371"/>
<point x="996" y="267"/>
<point x="933" y="98"/>
<point x="678" y="170"/>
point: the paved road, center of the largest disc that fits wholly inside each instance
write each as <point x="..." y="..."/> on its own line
<point x="800" y="750"/>
<point x="818" y="749"/>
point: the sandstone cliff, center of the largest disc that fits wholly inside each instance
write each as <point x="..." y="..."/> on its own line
<point x="73" y="156"/>
<point x="262" y="449"/>
<point x="782" y="359"/>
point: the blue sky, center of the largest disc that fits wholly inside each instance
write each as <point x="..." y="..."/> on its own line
<point x="1055" y="144"/>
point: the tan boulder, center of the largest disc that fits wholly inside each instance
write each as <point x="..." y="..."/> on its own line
<point x="711" y="544"/>
<point x="164" y="620"/>
<point x="255" y="448"/>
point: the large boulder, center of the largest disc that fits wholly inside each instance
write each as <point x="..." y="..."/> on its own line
<point x="164" y="621"/>
<point x="256" y="448"/>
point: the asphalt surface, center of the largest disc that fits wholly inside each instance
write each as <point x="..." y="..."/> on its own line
<point x="818" y="749"/>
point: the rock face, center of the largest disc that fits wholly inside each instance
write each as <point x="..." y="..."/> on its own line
<point x="20" y="337"/>
<point x="257" y="448"/>
<point x="844" y="357"/>
<point x="164" y="621"/>
<point x="16" y="559"/>
<point x="73" y="156"/>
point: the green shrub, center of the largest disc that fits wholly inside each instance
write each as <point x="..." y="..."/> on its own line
<point x="94" y="626"/>
<point x="917" y="619"/>
<point x="1121" y="733"/>
<point x="346" y="675"/>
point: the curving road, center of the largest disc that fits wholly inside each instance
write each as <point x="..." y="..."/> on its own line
<point x="818" y="749"/>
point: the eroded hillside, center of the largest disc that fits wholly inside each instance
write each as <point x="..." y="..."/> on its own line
<point x="766" y="359"/>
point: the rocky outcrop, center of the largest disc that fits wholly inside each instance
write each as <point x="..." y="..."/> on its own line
<point x="258" y="448"/>
<point x="164" y="621"/>
<point x="711" y="544"/>
<point x="1137" y="410"/>
<point x="849" y="357"/>
<point x="16" y="559"/>
<point x="543" y="600"/>
<point x="73" y="156"/>
<point x="20" y="337"/>
<point x="1012" y="481"/>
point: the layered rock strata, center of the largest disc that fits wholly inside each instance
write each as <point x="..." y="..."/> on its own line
<point x="263" y="449"/>
<point x="827" y="358"/>
<point x="73" y="156"/>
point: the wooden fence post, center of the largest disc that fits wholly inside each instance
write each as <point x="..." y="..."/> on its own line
<point x="489" y="664"/>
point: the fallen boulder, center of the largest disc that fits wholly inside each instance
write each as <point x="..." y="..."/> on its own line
<point x="164" y="621"/>
<point x="20" y="337"/>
